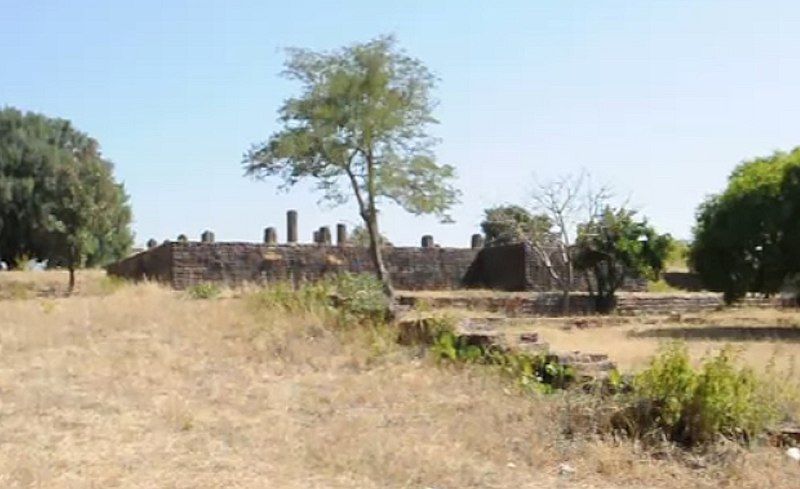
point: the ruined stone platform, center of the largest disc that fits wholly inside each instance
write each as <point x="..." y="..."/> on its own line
<point x="491" y="333"/>
<point x="533" y="304"/>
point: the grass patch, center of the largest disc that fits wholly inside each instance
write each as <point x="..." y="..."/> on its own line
<point x="204" y="291"/>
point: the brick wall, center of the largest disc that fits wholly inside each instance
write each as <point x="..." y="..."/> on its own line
<point x="183" y="264"/>
<point x="153" y="264"/>
<point x="186" y="264"/>
<point x="549" y="303"/>
<point x="517" y="267"/>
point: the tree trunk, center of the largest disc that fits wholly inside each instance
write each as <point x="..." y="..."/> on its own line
<point x="370" y="215"/>
<point x="565" y="301"/>
<point x="568" y="282"/>
<point x="376" y="253"/>
<point x="71" y="279"/>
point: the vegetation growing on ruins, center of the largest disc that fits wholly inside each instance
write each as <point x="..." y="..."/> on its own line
<point x="58" y="199"/>
<point x="361" y="121"/>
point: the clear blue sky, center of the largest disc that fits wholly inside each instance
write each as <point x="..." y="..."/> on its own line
<point x="659" y="98"/>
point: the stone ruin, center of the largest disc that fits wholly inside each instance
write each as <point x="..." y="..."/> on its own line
<point x="183" y="263"/>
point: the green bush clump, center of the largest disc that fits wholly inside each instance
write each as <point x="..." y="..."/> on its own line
<point x="697" y="406"/>
<point x="540" y="372"/>
<point x="360" y="296"/>
<point x="204" y="291"/>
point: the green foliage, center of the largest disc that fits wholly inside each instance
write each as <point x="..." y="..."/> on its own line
<point x="746" y="239"/>
<point x="204" y="290"/>
<point x="614" y="246"/>
<point x="512" y="224"/>
<point x="58" y="198"/>
<point x="541" y="372"/>
<point x="361" y="121"/>
<point x="359" y="236"/>
<point x="677" y="258"/>
<point x="696" y="406"/>
<point x="360" y="295"/>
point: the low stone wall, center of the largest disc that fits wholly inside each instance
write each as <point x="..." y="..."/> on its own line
<point x="500" y="268"/>
<point x="549" y="304"/>
<point x="683" y="280"/>
<point x="190" y="263"/>
<point x="153" y="264"/>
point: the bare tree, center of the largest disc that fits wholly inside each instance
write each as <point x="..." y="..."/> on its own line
<point x="564" y="201"/>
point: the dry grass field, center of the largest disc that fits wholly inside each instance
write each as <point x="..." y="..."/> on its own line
<point x="140" y="386"/>
<point x="763" y="336"/>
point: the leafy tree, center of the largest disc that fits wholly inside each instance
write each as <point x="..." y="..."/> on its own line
<point x="614" y="246"/>
<point x="58" y="198"/>
<point x="507" y="224"/>
<point x="360" y="237"/>
<point x="746" y="237"/>
<point x="361" y="120"/>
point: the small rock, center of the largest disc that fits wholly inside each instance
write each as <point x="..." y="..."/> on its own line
<point x="793" y="453"/>
<point x="566" y="469"/>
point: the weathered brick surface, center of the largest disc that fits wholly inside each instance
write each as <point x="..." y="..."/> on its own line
<point x="510" y="268"/>
<point x="549" y="304"/>
<point x="187" y="264"/>
<point x="517" y="267"/>
<point x="153" y="264"/>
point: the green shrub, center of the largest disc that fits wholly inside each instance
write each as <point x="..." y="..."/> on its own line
<point x="697" y="406"/>
<point x="204" y="291"/>
<point x="360" y="296"/>
<point x="540" y="372"/>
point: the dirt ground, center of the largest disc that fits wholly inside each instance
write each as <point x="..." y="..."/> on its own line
<point x="139" y="386"/>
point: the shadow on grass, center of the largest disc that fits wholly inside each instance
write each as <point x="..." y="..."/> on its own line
<point x="723" y="333"/>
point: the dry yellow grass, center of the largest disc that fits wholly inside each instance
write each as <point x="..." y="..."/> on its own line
<point x="143" y="387"/>
<point x="763" y="336"/>
<point x="50" y="283"/>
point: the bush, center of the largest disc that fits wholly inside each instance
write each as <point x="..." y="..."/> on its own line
<point x="697" y="406"/>
<point x="540" y="372"/>
<point x="204" y="291"/>
<point x="360" y="296"/>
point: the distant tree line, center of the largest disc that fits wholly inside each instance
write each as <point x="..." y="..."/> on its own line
<point x="59" y="201"/>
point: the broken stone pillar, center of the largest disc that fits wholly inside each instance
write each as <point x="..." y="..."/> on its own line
<point x="427" y="241"/>
<point x="291" y="226"/>
<point x="207" y="237"/>
<point x="477" y="241"/>
<point x="151" y="243"/>
<point x="315" y="237"/>
<point x="325" y="235"/>
<point x="341" y="235"/>
<point x="270" y="236"/>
